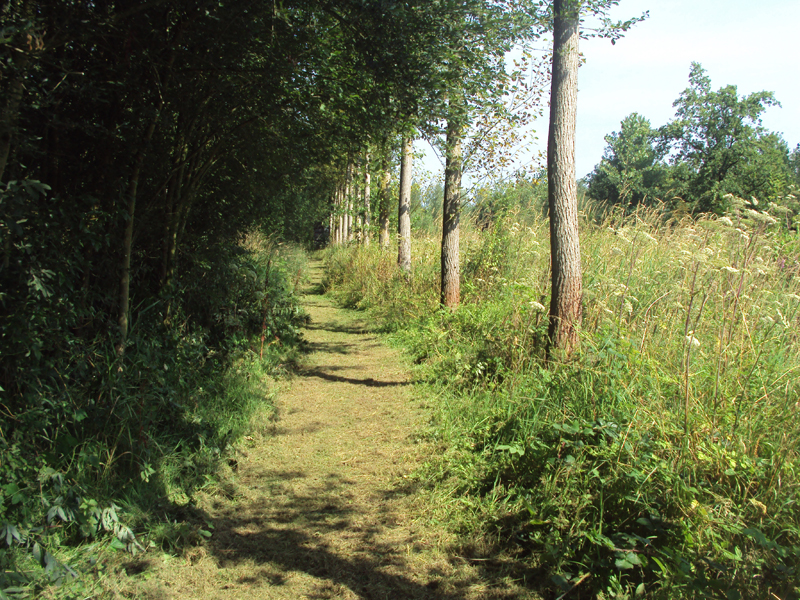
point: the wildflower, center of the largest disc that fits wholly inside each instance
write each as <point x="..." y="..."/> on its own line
<point x="692" y="341"/>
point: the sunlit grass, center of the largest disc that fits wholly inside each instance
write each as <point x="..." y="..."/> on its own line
<point x="665" y="453"/>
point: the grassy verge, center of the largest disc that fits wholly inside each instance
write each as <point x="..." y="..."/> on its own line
<point x="103" y="455"/>
<point x="662" y="460"/>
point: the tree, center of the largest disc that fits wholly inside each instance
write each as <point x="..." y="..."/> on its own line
<point x="630" y="169"/>
<point x="565" y="17"/>
<point x="404" y="207"/>
<point x="384" y="196"/>
<point x="794" y="164"/>
<point x="565" y="302"/>
<point x="367" y="193"/>
<point x="450" y="294"/>
<point x="716" y="137"/>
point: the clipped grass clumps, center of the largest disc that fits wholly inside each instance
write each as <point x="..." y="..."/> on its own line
<point x="661" y="460"/>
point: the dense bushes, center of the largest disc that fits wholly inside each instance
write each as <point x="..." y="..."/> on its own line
<point x="662" y="460"/>
<point x="98" y="443"/>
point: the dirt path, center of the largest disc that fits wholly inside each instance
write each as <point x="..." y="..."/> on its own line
<point x="320" y="511"/>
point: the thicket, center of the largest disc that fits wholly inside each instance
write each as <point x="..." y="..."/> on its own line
<point x="661" y="461"/>
<point x="96" y="446"/>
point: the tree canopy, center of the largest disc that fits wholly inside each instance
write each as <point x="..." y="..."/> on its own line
<point x="715" y="146"/>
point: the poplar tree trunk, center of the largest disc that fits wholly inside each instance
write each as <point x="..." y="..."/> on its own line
<point x="349" y="204"/>
<point x="331" y="230"/>
<point x="367" y="208"/>
<point x="404" y="208"/>
<point x="451" y="213"/>
<point x="385" y="200"/>
<point x="358" y="224"/>
<point x="565" y="303"/>
<point x="341" y="219"/>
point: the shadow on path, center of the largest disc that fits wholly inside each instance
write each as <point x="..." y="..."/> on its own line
<point x="290" y="535"/>
<point x="322" y="373"/>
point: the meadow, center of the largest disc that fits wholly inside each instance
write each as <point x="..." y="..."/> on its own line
<point x="660" y="460"/>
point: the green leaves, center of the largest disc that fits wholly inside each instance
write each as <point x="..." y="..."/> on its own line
<point x="715" y="146"/>
<point x="718" y="136"/>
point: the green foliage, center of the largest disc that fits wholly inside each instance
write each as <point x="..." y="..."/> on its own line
<point x="96" y="447"/>
<point x="715" y="146"/>
<point x="660" y="462"/>
<point x="629" y="171"/>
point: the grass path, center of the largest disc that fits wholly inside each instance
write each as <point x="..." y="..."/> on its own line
<point x="321" y="509"/>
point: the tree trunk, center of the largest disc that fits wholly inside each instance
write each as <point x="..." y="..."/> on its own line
<point x="20" y="58"/>
<point x="356" y="196"/>
<point x="349" y="201"/>
<point x="451" y="212"/>
<point x="127" y="239"/>
<point x="342" y="220"/>
<point x="367" y="208"/>
<point x="331" y="229"/>
<point x="385" y="199"/>
<point x="565" y="303"/>
<point x="172" y="201"/>
<point x="123" y="307"/>
<point x="404" y="208"/>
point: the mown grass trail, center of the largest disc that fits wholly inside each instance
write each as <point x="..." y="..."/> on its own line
<point x="322" y="507"/>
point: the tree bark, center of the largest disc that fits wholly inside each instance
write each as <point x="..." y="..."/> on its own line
<point x="349" y="203"/>
<point x="340" y="228"/>
<point x="565" y="303"/>
<point x="123" y="307"/>
<point x="451" y="213"/>
<point x="367" y="208"/>
<point x="404" y="208"/>
<point x="385" y="199"/>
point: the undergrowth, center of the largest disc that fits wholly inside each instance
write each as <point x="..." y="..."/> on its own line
<point x="661" y="460"/>
<point x="101" y="452"/>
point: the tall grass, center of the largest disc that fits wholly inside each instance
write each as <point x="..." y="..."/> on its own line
<point x="662" y="460"/>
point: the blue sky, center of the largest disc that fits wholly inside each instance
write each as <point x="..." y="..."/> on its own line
<point x="752" y="45"/>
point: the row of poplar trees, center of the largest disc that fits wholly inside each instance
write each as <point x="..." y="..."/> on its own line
<point x="473" y="80"/>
